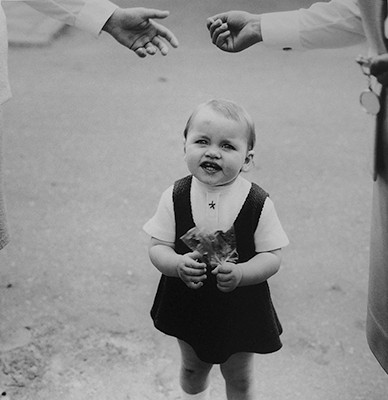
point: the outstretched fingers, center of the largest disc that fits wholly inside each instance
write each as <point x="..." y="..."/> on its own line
<point x="141" y="52"/>
<point x="159" y="44"/>
<point x="149" y="13"/>
<point x="164" y="33"/>
<point x="150" y="49"/>
<point x="150" y="46"/>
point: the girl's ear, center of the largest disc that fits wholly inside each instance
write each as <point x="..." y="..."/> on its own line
<point x="248" y="161"/>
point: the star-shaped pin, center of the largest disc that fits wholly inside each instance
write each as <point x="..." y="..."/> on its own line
<point x="212" y="205"/>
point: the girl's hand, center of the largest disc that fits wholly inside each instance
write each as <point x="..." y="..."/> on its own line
<point x="228" y="276"/>
<point x="192" y="272"/>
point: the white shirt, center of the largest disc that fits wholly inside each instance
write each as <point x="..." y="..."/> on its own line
<point x="386" y="25"/>
<point x="88" y="15"/>
<point x="216" y="209"/>
<point x="323" y="25"/>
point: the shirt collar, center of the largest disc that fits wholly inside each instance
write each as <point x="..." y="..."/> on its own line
<point x="217" y="189"/>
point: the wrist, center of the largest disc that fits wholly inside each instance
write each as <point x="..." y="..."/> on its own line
<point x="256" y="29"/>
<point x="176" y="270"/>
<point x="239" y="275"/>
<point x="111" y="21"/>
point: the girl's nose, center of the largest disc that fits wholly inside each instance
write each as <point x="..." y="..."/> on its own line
<point x="212" y="152"/>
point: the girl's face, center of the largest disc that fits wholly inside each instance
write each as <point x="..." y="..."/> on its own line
<point x="216" y="148"/>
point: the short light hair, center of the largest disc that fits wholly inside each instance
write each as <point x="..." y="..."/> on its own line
<point x="229" y="110"/>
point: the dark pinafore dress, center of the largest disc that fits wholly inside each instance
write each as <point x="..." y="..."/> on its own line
<point x="214" y="323"/>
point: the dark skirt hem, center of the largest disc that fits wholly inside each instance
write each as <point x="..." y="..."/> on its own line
<point x="205" y="355"/>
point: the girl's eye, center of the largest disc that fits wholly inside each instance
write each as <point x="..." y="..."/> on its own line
<point x="201" y="141"/>
<point x="228" y="146"/>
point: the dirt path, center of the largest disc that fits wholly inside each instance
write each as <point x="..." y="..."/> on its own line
<point x="94" y="136"/>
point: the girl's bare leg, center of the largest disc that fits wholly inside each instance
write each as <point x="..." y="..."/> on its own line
<point x="238" y="372"/>
<point x="194" y="375"/>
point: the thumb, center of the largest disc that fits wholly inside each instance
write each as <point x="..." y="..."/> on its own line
<point x="149" y="13"/>
<point x="219" y="269"/>
<point x="196" y="254"/>
<point x="216" y="269"/>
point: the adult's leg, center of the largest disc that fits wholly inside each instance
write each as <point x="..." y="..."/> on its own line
<point x="194" y="375"/>
<point x="4" y="237"/>
<point x="377" y="321"/>
<point x="239" y="374"/>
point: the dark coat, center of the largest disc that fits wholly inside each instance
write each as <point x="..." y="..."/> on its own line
<point x="373" y="17"/>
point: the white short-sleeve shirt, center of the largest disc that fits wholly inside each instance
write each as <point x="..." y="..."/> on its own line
<point x="216" y="209"/>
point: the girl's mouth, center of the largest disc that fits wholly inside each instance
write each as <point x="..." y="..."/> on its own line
<point x="210" y="166"/>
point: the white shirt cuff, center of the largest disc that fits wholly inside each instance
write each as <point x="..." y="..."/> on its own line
<point x="94" y="15"/>
<point x="281" y="30"/>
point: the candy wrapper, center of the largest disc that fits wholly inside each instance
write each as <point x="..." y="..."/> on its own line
<point x="215" y="248"/>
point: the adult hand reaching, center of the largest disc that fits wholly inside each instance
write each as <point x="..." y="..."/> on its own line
<point x="135" y="29"/>
<point x="235" y="31"/>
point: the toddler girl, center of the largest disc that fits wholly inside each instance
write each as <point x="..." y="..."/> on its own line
<point x="222" y="315"/>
